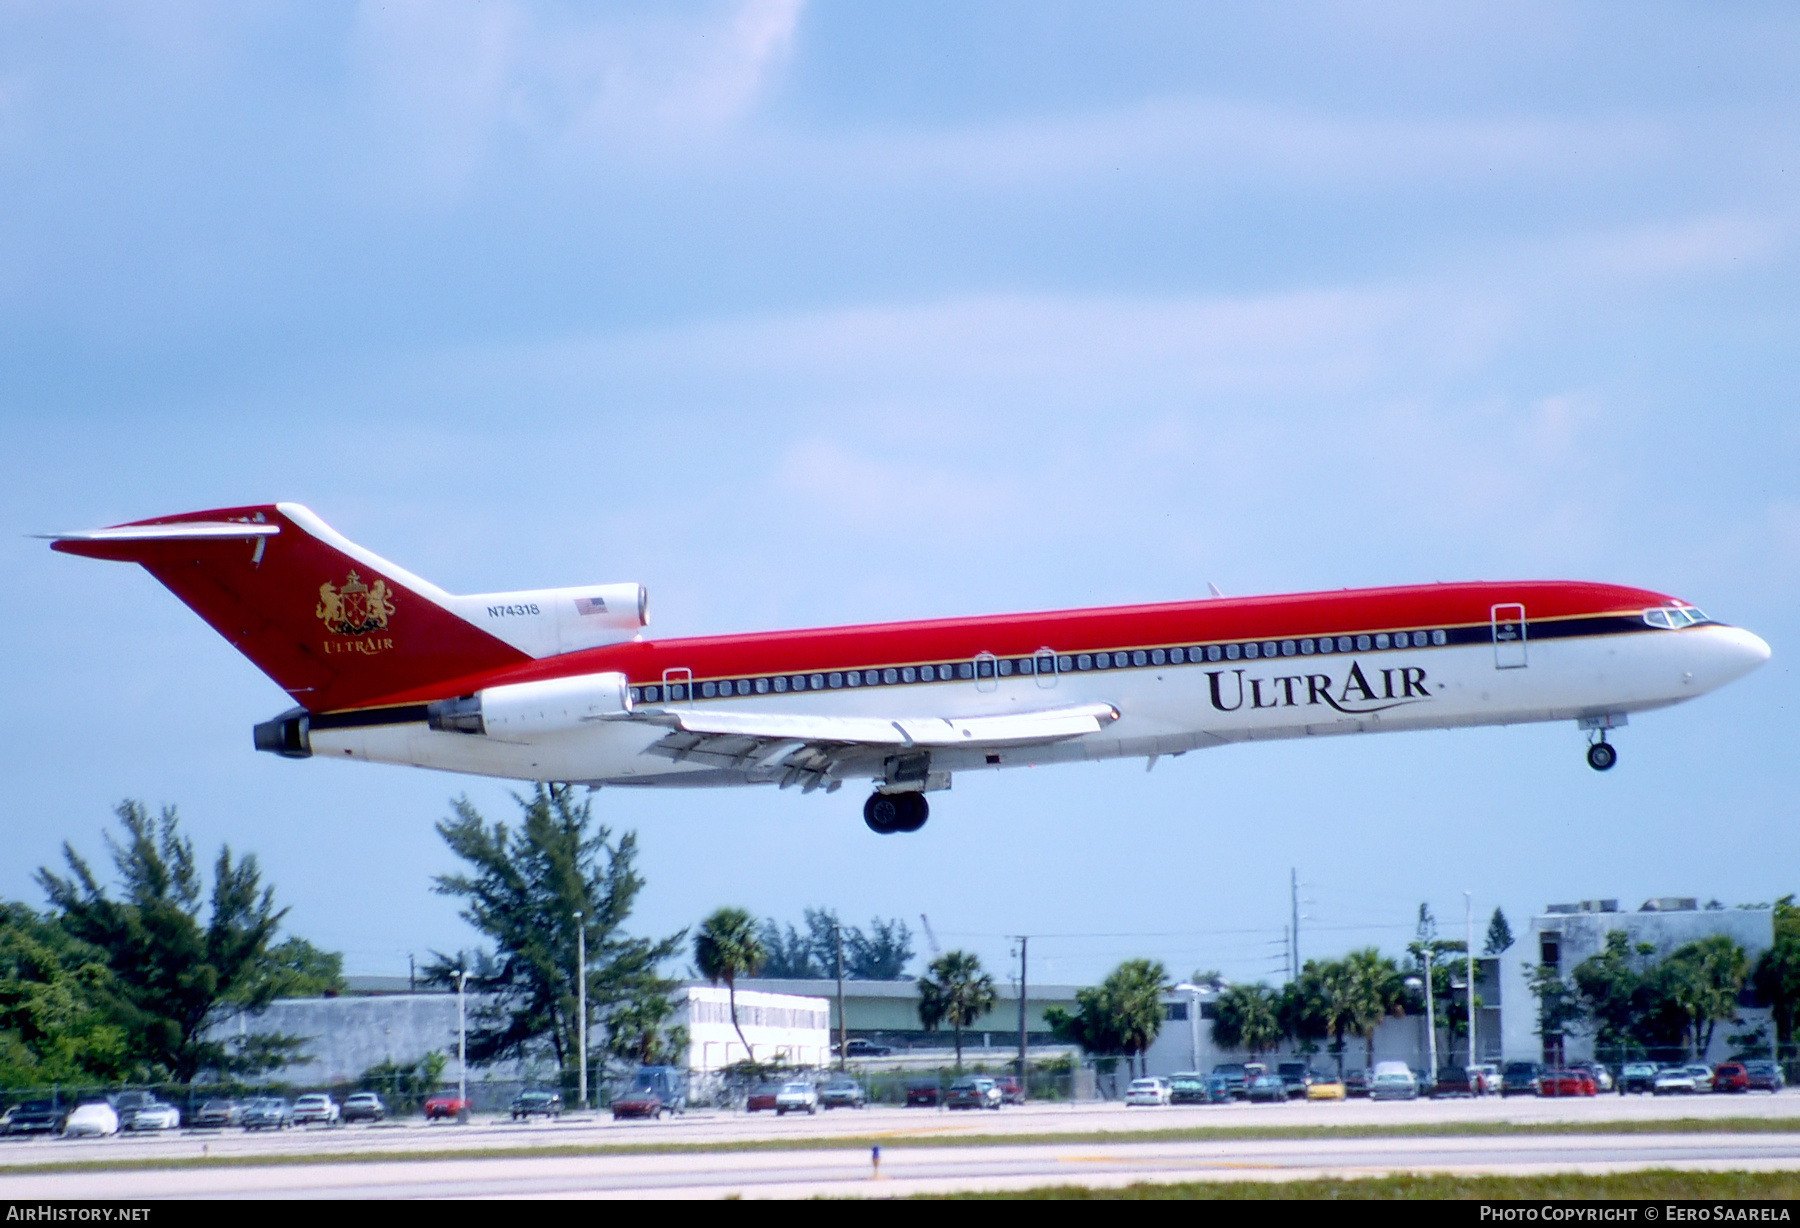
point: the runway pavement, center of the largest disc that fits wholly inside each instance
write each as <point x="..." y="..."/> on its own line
<point x="918" y="1151"/>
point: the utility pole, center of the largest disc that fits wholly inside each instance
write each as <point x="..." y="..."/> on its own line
<point x="581" y="997"/>
<point x="837" y="939"/>
<point x="1024" y="1043"/>
<point x="1294" y="904"/>
<point x="412" y="974"/>
<point x="1469" y="943"/>
<point x="1430" y="1010"/>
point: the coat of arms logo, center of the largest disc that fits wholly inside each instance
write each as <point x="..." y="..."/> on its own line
<point x="356" y="608"/>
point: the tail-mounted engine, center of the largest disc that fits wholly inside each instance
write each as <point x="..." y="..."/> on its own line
<point x="521" y="711"/>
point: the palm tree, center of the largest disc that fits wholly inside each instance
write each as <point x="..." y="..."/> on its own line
<point x="956" y="991"/>
<point x="1373" y="990"/>
<point x="727" y="947"/>
<point x="1247" y="1019"/>
<point x="1134" y="991"/>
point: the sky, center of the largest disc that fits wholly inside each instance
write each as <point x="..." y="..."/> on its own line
<point x="812" y="313"/>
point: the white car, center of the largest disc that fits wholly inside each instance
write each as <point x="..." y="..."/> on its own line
<point x="1151" y="1091"/>
<point x="155" y="1116"/>
<point x="1393" y="1081"/>
<point x="796" y="1098"/>
<point x="1489" y="1074"/>
<point x="94" y="1120"/>
<point x="316" y="1107"/>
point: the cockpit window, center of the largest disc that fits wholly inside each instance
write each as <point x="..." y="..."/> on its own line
<point x="1675" y="617"/>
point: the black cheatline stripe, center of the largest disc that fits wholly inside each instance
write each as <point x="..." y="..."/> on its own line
<point x="411" y="714"/>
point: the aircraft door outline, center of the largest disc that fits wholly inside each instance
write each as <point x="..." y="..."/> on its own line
<point x="1509" y="625"/>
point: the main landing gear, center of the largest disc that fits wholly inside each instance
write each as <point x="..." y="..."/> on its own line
<point x="1601" y="755"/>
<point x="887" y="813"/>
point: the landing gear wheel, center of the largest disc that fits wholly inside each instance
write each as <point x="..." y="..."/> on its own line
<point x="887" y="813"/>
<point x="1601" y="756"/>
<point x="882" y="813"/>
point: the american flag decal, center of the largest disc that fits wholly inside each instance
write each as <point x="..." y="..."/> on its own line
<point x="590" y="605"/>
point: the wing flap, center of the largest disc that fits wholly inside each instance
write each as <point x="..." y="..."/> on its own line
<point x="1046" y="725"/>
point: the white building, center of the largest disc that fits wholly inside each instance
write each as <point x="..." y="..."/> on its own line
<point x="1564" y="935"/>
<point x="795" y="1029"/>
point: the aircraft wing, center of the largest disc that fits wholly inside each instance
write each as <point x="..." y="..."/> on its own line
<point x="804" y="750"/>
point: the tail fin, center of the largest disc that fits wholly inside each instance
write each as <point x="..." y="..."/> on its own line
<point x="334" y="625"/>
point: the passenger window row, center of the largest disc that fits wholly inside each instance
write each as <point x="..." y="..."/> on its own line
<point x="987" y="667"/>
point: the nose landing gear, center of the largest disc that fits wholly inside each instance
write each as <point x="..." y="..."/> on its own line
<point x="887" y="813"/>
<point x="1601" y="755"/>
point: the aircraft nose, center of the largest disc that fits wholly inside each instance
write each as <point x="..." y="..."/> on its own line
<point x="1738" y="651"/>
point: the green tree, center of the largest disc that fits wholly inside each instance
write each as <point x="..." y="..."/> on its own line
<point x="301" y="970"/>
<point x="639" y="1032"/>
<point x="1559" y="1007"/>
<point x="725" y="948"/>
<point x="879" y="954"/>
<point x="1615" y="996"/>
<point x="1710" y="974"/>
<point x="1246" y="1017"/>
<point x="58" y="1008"/>
<point x="174" y="975"/>
<point x="1372" y="989"/>
<point x="523" y="891"/>
<point x="1499" y="935"/>
<point x="1777" y="975"/>
<point x="956" y="991"/>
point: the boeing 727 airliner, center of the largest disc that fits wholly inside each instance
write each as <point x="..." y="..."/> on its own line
<point x="562" y="685"/>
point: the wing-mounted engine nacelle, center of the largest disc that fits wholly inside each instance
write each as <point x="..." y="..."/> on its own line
<point x="520" y="711"/>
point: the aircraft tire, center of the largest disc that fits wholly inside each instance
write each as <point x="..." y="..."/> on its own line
<point x="916" y="810"/>
<point x="1601" y="756"/>
<point x="885" y="813"/>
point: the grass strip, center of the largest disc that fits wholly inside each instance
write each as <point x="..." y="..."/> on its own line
<point x="896" y="1140"/>
<point x="1647" y="1184"/>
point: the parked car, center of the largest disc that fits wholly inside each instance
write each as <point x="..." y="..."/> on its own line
<point x="858" y="1047"/>
<point x="1188" y="1087"/>
<point x="1637" y="1077"/>
<point x="796" y="1097"/>
<point x="1297" y="1076"/>
<point x="1153" y="1091"/>
<point x="1356" y="1083"/>
<point x="1487" y="1077"/>
<point x="126" y="1105"/>
<point x="1237" y="1076"/>
<point x="973" y="1092"/>
<point x="842" y="1092"/>
<point x="1326" y="1087"/>
<point x="1267" y="1089"/>
<point x="536" y="1102"/>
<point x="762" y="1098"/>
<point x="638" y="1102"/>
<point x="443" y="1105"/>
<point x="1452" y="1081"/>
<point x="36" y="1117"/>
<point x="153" y="1116"/>
<point x="1567" y="1081"/>
<point x="1677" y="1080"/>
<point x="1730" y="1077"/>
<point x="1393" y="1081"/>
<point x="921" y="1093"/>
<point x="1424" y="1080"/>
<point x="364" y="1106"/>
<point x="95" y="1119"/>
<point x="1601" y="1076"/>
<point x="1011" y="1090"/>
<point x="316" y="1109"/>
<point x="1764" y="1076"/>
<point x="218" y="1114"/>
<point x="1519" y="1079"/>
<point x="268" y="1113"/>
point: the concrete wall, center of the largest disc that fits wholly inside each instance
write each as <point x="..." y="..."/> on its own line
<point x="893" y="1006"/>
<point x="346" y="1036"/>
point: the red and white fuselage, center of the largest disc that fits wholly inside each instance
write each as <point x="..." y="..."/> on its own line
<point x="561" y="685"/>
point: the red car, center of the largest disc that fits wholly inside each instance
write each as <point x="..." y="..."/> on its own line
<point x="1010" y="1091"/>
<point x="1567" y="1083"/>
<point x="922" y="1093"/>
<point x="761" y="1097"/>
<point x="445" y="1104"/>
<point x="639" y="1102"/>
<point x="1730" y="1077"/>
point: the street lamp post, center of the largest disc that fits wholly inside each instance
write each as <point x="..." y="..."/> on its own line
<point x="462" y="1046"/>
<point x="1430" y="1011"/>
<point x="581" y="998"/>
<point x="1193" y="992"/>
